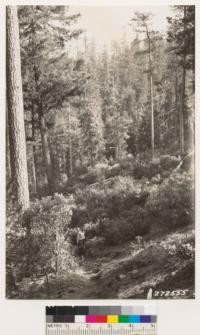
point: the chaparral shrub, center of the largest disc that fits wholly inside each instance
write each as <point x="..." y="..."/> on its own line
<point x="181" y="245"/>
<point x="169" y="162"/>
<point x="124" y="228"/>
<point x="108" y="199"/>
<point x="172" y="202"/>
<point x="147" y="169"/>
<point x="42" y="246"/>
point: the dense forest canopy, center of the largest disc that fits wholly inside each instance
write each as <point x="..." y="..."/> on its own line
<point x="103" y="105"/>
<point x="104" y="130"/>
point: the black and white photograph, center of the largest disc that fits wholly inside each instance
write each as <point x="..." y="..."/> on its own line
<point x="100" y="152"/>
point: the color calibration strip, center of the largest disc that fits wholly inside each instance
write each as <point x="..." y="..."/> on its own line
<point x="101" y="320"/>
<point x="101" y="314"/>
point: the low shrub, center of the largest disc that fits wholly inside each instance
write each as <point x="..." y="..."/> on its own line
<point x="146" y="169"/>
<point x="92" y="199"/>
<point x="81" y="170"/>
<point x="95" y="174"/>
<point x="162" y="165"/>
<point x="79" y="216"/>
<point x="172" y="202"/>
<point x="169" y="162"/>
<point x="103" y="200"/>
<point x="121" y="204"/>
<point x="181" y="246"/>
<point x="127" y="165"/>
<point x="94" y="246"/>
<point x="92" y="229"/>
<point x="42" y="246"/>
<point x="126" y="228"/>
<point x="90" y="177"/>
<point x="113" y="171"/>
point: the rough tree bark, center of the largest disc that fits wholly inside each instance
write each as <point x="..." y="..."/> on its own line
<point x="15" y="109"/>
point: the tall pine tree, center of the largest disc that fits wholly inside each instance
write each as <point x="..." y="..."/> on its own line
<point x="16" y="110"/>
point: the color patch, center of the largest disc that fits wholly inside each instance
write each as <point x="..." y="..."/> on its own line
<point x="94" y="310"/>
<point x="101" y="318"/>
<point x="50" y="310"/>
<point x="105" y="310"/>
<point x="123" y="319"/>
<point x="134" y="318"/>
<point x="126" y="310"/>
<point x="90" y="318"/>
<point x="49" y="318"/>
<point x="69" y="318"/>
<point x="80" y="318"/>
<point x="58" y="318"/>
<point x="153" y="318"/>
<point x="112" y="318"/>
<point x="81" y="310"/>
<point x="145" y="318"/>
<point x="138" y="310"/>
<point x="115" y="310"/>
<point x="64" y="310"/>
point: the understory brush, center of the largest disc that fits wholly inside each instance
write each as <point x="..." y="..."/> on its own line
<point x="109" y="199"/>
<point x="125" y="228"/>
<point x="162" y="165"/>
<point x="42" y="245"/>
<point x="171" y="204"/>
<point x="181" y="245"/>
<point x="120" y="210"/>
<point x="112" y="211"/>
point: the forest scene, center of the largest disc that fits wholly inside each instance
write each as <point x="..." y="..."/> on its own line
<point x="100" y="155"/>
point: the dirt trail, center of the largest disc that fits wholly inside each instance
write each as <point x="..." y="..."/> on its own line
<point x="125" y="273"/>
<point x="131" y="273"/>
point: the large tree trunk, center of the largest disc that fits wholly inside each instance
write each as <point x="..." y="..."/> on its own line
<point x="46" y="152"/>
<point x="15" y="109"/>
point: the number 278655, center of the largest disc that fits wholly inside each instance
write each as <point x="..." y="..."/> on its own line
<point x="175" y="293"/>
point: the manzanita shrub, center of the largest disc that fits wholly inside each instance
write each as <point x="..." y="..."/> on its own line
<point x="172" y="203"/>
<point x="42" y="246"/>
<point x="181" y="245"/>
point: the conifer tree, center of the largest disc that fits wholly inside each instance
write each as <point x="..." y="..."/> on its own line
<point x="49" y="76"/>
<point x="16" y="110"/>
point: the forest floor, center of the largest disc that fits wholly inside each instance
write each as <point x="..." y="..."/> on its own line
<point x="121" y="267"/>
<point x="125" y="272"/>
